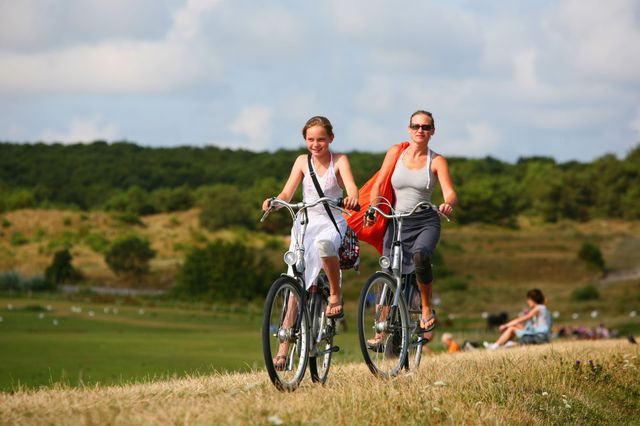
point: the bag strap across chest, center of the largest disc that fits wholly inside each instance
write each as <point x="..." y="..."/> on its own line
<point x="312" y="173"/>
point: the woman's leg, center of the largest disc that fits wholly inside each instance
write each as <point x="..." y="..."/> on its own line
<point x="506" y="335"/>
<point x="292" y="312"/>
<point x="424" y="277"/>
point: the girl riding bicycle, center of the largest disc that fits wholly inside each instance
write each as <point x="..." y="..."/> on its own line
<point x="322" y="239"/>
<point x="412" y="169"/>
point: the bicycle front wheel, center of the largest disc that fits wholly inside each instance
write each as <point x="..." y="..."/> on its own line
<point x="323" y="330"/>
<point x="383" y="329"/>
<point x="285" y="334"/>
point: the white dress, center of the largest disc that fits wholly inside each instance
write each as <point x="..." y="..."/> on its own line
<point x="320" y="226"/>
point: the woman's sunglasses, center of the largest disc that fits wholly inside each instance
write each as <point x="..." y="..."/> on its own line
<point x="424" y="127"/>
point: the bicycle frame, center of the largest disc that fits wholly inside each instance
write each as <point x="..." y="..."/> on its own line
<point x="396" y="246"/>
<point x="297" y="262"/>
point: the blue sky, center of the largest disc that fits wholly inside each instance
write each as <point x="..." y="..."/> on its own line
<point x="503" y="78"/>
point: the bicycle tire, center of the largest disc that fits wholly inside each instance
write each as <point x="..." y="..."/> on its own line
<point x="279" y="308"/>
<point x="374" y="310"/>
<point x="416" y="340"/>
<point x="319" y="365"/>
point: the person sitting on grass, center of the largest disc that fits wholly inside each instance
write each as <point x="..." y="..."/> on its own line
<point x="452" y="346"/>
<point x="531" y="328"/>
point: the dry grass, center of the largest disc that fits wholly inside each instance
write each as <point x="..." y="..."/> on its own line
<point x="532" y="385"/>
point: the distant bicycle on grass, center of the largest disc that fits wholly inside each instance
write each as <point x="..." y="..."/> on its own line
<point x="295" y="327"/>
<point x="389" y="307"/>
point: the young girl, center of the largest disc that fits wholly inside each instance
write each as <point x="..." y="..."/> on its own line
<point x="322" y="240"/>
<point x="532" y="327"/>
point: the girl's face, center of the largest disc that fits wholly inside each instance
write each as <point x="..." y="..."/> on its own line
<point x="531" y="303"/>
<point x="417" y="132"/>
<point x="318" y="141"/>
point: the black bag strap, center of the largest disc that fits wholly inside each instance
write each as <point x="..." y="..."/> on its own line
<point x="312" y="173"/>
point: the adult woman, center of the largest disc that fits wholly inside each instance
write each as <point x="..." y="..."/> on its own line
<point x="413" y="169"/>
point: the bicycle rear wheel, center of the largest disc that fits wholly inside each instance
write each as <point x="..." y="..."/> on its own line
<point x="323" y="330"/>
<point x="416" y="340"/>
<point x="383" y="329"/>
<point x="285" y="334"/>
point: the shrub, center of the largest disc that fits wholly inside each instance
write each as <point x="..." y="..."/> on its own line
<point x="5" y="222"/>
<point x="222" y="206"/>
<point x="225" y="271"/>
<point x="17" y="239"/>
<point x="13" y="281"/>
<point x="592" y="256"/>
<point x="61" y="270"/>
<point x="588" y="292"/>
<point x="97" y="242"/>
<point x="130" y="255"/>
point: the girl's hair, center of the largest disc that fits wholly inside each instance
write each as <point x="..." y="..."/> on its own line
<point x="423" y="112"/>
<point x="536" y="295"/>
<point x="318" y="120"/>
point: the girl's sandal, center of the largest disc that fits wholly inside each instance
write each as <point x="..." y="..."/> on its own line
<point x="338" y="314"/>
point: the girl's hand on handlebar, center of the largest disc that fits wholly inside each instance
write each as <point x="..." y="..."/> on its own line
<point x="266" y="206"/>
<point x="350" y="203"/>
<point x="446" y="209"/>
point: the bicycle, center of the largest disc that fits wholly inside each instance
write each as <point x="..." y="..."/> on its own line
<point x="307" y="334"/>
<point x="388" y="307"/>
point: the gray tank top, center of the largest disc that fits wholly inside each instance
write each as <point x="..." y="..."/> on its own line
<point x="412" y="186"/>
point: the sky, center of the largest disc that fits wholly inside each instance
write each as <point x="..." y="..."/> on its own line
<point x="506" y="79"/>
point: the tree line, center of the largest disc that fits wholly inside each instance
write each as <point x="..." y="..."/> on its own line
<point x="229" y="185"/>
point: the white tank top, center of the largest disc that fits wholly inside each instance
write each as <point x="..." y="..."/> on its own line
<point x="329" y="184"/>
<point x="412" y="186"/>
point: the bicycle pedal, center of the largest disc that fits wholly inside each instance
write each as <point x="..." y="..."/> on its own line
<point x="335" y="349"/>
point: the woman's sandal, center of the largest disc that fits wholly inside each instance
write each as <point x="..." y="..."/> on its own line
<point x="280" y="362"/>
<point x="331" y="306"/>
<point x="426" y="320"/>
<point x="376" y="344"/>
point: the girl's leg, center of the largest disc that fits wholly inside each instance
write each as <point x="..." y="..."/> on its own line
<point x="292" y="311"/>
<point x="331" y="266"/>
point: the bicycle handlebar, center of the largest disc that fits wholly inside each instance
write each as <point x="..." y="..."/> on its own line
<point x="336" y="203"/>
<point x="421" y="205"/>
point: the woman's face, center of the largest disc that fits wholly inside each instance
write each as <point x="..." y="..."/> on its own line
<point x="318" y="141"/>
<point x="417" y="132"/>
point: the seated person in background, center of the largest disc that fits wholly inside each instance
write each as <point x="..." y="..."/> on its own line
<point x="531" y="328"/>
<point x="452" y="346"/>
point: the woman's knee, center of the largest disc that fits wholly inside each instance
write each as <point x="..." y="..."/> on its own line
<point x="424" y="270"/>
<point x="326" y="248"/>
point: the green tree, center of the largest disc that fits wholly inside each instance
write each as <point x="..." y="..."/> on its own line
<point x="225" y="271"/>
<point x="592" y="256"/>
<point x="130" y="254"/>
<point x="223" y="206"/>
<point x="61" y="270"/>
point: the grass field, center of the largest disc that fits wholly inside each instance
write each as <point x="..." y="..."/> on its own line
<point x="45" y="341"/>
<point x="561" y="383"/>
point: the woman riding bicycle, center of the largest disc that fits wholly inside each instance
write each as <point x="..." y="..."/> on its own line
<point x="412" y="169"/>
<point x="322" y="239"/>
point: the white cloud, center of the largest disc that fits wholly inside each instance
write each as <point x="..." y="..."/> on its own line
<point x="83" y="130"/>
<point x="482" y="138"/>
<point x="117" y="66"/>
<point x="601" y="39"/>
<point x="253" y="124"/>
